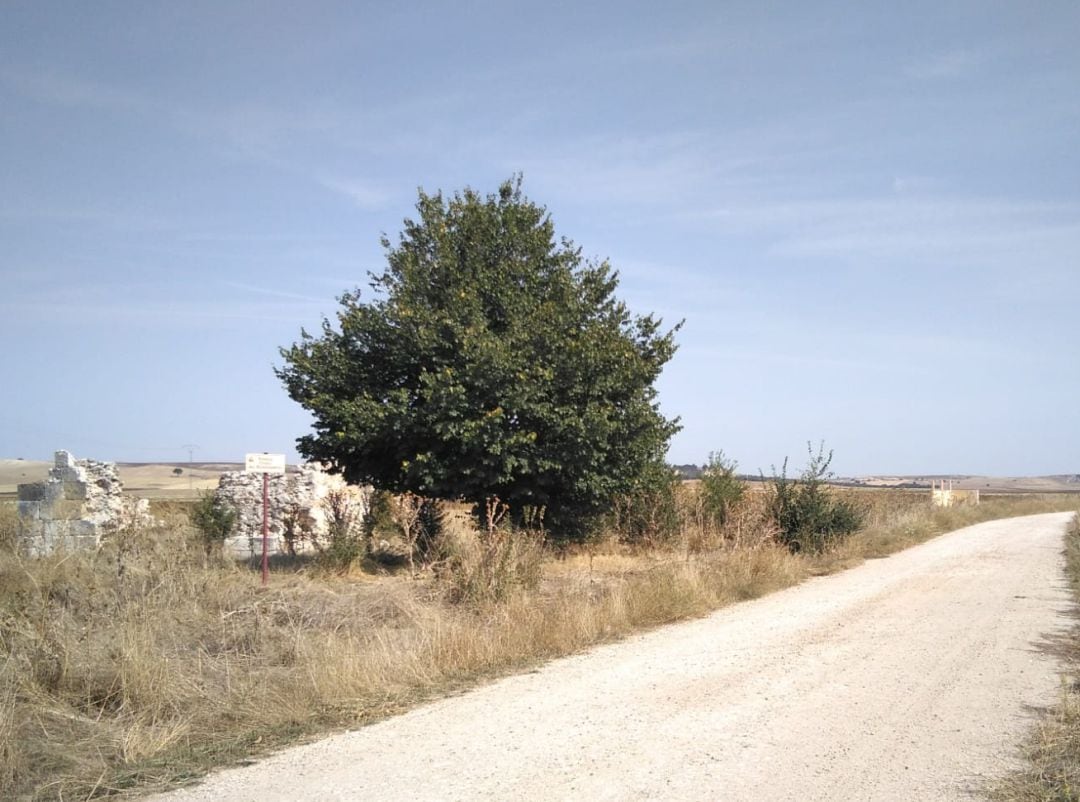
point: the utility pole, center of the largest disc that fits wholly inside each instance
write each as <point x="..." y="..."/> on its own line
<point x="190" y="457"/>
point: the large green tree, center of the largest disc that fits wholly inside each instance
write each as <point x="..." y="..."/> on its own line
<point x="491" y="360"/>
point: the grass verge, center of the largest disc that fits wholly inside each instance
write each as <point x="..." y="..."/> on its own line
<point x="141" y="666"/>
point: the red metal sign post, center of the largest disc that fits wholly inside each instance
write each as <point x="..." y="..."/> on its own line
<point x="265" y="464"/>
<point x="266" y="529"/>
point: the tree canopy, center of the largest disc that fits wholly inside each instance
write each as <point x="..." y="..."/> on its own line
<point x="491" y="360"/>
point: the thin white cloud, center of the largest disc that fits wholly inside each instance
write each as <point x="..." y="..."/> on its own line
<point x="941" y="66"/>
<point x="109" y="218"/>
<point x="653" y="171"/>
<point x="931" y="229"/>
<point x="365" y="194"/>
<point x="252" y="131"/>
<point x="153" y="313"/>
<point x="82" y="297"/>
<point x="272" y="293"/>
<point x="811" y="356"/>
<point x="907" y="184"/>
<point x="68" y="90"/>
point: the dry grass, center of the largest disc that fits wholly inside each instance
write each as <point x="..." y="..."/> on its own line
<point x="140" y="667"/>
<point x="9" y="525"/>
<point x="1052" y="755"/>
<point x="899" y="519"/>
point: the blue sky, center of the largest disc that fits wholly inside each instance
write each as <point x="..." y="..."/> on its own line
<point x="868" y="214"/>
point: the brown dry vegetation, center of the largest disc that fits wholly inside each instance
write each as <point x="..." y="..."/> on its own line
<point x="140" y="666"/>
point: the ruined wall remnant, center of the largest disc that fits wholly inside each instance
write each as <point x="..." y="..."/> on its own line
<point x="79" y="502"/>
<point x="295" y="499"/>
<point x="947" y="496"/>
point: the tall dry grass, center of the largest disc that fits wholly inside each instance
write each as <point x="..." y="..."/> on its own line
<point x="899" y="519"/>
<point x="9" y="525"/>
<point x="140" y="665"/>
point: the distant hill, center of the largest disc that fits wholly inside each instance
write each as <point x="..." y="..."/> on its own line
<point x="1061" y="483"/>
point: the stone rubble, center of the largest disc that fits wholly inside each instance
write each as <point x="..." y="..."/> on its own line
<point x="80" y="502"/>
<point x="298" y="497"/>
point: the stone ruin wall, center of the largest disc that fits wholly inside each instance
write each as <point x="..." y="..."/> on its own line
<point x="942" y="495"/>
<point x="80" y="502"/>
<point x="301" y="496"/>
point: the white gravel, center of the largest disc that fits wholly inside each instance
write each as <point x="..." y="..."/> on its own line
<point x="907" y="678"/>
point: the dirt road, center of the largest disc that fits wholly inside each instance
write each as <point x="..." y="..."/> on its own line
<point x="907" y="678"/>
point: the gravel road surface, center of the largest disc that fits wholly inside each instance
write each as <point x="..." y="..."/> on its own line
<point x="907" y="678"/>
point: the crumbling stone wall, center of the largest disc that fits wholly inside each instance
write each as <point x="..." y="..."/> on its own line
<point x="299" y="498"/>
<point x="946" y="496"/>
<point x="80" y="501"/>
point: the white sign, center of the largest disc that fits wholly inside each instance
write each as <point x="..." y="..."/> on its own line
<point x="264" y="463"/>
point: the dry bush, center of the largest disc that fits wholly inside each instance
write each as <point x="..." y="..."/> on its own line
<point x="9" y="526"/>
<point x="749" y="523"/>
<point x="489" y="566"/>
<point x="421" y="522"/>
<point x="345" y="541"/>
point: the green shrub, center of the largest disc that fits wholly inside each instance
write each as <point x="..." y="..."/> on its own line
<point x="380" y="515"/>
<point x="807" y="513"/>
<point x="721" y="489"/>
<point x="431" y="523"/>
<point x="295" y="528"/>
<point x="345" y="541"/>
<point x="651" y="512"/>
<point x="213" y="519"/>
